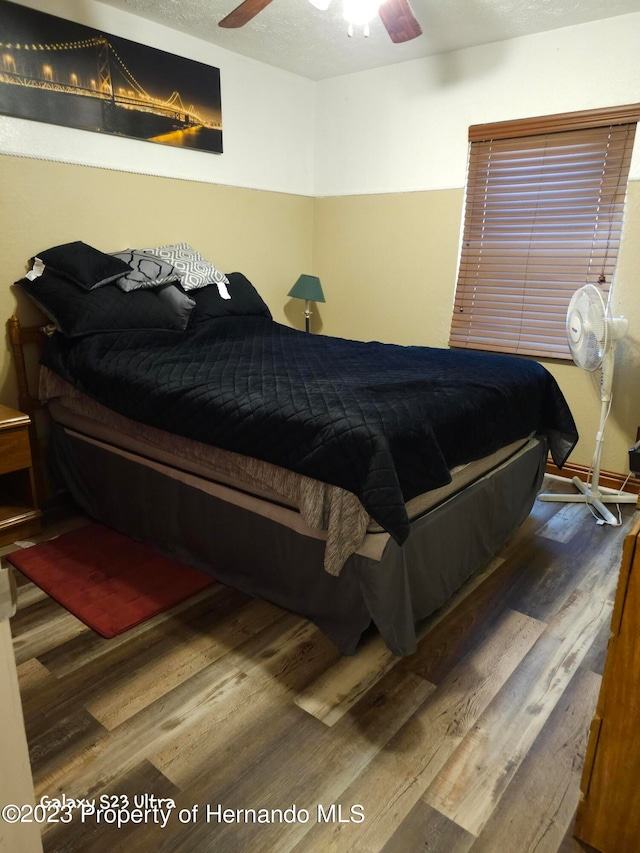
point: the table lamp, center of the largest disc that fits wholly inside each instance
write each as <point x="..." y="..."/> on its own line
<point x="307" y="287"/>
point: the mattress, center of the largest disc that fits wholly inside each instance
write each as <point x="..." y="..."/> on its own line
<point x="309" y="506"/>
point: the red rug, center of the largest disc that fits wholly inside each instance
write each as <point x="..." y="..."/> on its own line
<point x="107" y="580"/>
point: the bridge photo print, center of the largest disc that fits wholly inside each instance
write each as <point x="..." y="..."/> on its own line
<point x="60" y="72"/>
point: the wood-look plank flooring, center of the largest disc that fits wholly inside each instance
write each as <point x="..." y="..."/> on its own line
<point x="475" y="743"/>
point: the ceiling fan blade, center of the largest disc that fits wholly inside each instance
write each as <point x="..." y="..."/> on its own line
<point x="243" y="13"/>
<point x="399" y="21"/>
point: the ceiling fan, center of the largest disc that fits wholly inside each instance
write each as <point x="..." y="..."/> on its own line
<point x="396" y="15"/>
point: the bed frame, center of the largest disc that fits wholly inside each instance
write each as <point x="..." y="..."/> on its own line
<point x="19" y="338"/>
<point x="183" y="516"/>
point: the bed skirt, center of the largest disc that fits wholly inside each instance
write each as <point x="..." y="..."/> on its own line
<point x="266" y="559"/>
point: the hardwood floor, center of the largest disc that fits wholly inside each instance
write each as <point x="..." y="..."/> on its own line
<point x="476" y="742"/>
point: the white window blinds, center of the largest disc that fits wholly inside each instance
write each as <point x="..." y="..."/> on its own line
<point x="543" y="216"/>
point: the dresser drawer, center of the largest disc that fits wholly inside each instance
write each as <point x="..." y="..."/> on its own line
<point x="608" y="818"/>
<point x="15" y="452"/>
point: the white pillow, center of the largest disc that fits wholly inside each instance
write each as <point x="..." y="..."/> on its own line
<point x="194" y="270"/>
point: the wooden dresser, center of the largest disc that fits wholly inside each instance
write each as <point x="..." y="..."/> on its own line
<point x="19" y="513"/>
<point x="608" y="815"/>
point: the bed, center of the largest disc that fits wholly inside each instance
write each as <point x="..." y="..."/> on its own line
<point x="353" y="483"/>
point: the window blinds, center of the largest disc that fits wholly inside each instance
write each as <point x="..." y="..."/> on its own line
<point x="543" y="216"/>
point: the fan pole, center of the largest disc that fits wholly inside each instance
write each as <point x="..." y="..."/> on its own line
<point x="606" y="383"/>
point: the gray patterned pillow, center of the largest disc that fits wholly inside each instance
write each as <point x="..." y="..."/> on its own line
<point x="194" y="270"/>
<point x="146" y="271"/>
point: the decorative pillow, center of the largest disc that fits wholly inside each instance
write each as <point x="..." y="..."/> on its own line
<point x="145" y="270"/>
<point x="78" y="312"/>
<point x="85" y="266"/>
<point x="177" y="300"/>
<point x="194" y="270"/>
<point x="245" y="300"/>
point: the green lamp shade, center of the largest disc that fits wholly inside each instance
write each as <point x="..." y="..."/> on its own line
<point x="308" y="287"/>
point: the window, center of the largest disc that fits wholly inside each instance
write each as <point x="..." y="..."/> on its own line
<point x="543" y="216"/>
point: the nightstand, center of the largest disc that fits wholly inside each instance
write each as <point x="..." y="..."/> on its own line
<point x="19" y="513"/>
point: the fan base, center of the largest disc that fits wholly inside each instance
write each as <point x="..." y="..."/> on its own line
<point x="596" y="497"/>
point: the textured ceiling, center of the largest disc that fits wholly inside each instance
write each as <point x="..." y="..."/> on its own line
<point x="295" y="36"/>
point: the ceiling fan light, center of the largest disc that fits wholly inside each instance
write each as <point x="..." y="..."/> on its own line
<point x="360" y="12"/>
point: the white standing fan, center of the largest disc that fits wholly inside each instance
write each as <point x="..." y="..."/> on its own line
<point x="592" y="334"/>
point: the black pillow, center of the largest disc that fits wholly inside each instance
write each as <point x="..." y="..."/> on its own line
<point x="245" y="300"/>
<point x="78" y="312"/>
<point x="174" y="297"/>
<point x="84" y="265"/>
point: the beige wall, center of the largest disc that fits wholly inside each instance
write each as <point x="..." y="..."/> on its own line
<point x="387" y="262"/>
<point x="388" y="268"/>
<point x="388" y="265"/>
<point x="265" y="235"/>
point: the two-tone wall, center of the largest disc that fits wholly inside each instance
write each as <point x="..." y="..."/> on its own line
<point x="249" y="209"/>
<point x="358" y="179"/>
<point x="391" y="154"/>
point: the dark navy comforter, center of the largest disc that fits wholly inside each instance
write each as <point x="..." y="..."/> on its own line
<point x="383" y="421"/>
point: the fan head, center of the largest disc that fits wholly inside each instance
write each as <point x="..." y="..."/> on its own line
<point x="588" y="332"/>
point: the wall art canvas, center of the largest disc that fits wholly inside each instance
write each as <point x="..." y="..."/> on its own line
<point x="57" y="71"/>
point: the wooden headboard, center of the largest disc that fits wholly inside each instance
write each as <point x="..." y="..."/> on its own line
<point x="19" y="337"/>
